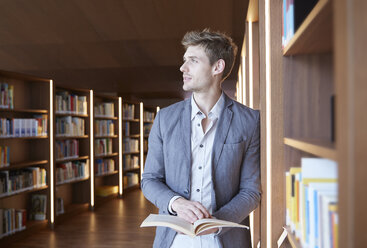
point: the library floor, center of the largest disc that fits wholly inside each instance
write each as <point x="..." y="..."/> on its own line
<point x="114" y="224"/>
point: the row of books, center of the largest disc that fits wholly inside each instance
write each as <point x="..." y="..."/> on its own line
<point x="14" y="181"/>
<point x="103" y="146"/>
<point x="105" y="128"/>
<point x="126" y="128"/>
<point x="146" y="128"/>
<point x="30" y="127"/>
<point x="148" y="116"/>
<point x="104" y="166"/>
<point x="130" y="162"/>
<point x="131" y="179"/>
<point x="145" y="145"/>
<point x="67" y="103"/>
<point x="106" y="109"/>
<point x="67" y="149"/>
<point x="130" y="145"/>
<point x="6" y="96"/>
<point x="128" y="111"/>
<point x="4" y="156"/>
<point x="311" y="202"/>
<point x="70" y="171"/>
<point x="12" y="221"/>
<point x="70" y="126"/>
<point x="294" y="13"/>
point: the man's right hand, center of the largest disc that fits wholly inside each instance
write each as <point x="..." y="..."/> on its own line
<point x="190" y="211"/>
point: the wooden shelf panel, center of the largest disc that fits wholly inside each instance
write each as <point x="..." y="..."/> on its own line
<point x="19" y="165"/>
<point x="71" y="159"/>
<point x="292" y="239"/>
<point x="133" y="187"/>
<point x="106" y="136"/>
<point x="107" y="174"/>
<point x="132" y="170"/>
<point x="31" y="111"/>
<point x="31" y="226"/>
<point x="131" y="120"/>
<point x="315" y="33"/>
<point x="132" y="136"/>
<point x="70" y="181"/>
<point x="106" y="155"/>
<point x="105" y="118"/>
<point x="27" y="137"/>
<point x="71" y="114"/>
<point x="136" y="152"/>
<point x="319" y="148"/>
<point x="148" y="121"/>
<point x="71" y="210"/>
<point x="61" y="137"/>
<point x="22" y="191"/>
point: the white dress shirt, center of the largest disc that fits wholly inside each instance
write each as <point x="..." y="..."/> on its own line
<point x="201" y="170"/>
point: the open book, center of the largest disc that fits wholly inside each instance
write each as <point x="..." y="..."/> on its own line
<point x="185" y="227"/>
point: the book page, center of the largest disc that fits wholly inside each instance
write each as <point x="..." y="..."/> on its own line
<point x="173" y="222"/>
<point x="205" y="224"/>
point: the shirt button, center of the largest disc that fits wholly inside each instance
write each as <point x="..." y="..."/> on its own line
<point x="200" y="167"/>
<point x="198" y="190"/>
<point x="198" y="125"/>
<point x="201" y="146"/>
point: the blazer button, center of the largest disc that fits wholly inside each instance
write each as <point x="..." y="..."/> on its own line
<point x="186" y="191"/>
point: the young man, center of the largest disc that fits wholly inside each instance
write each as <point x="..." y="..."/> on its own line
<point x="203" y="158"/>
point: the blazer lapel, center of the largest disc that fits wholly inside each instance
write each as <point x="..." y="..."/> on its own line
<point x="222" y="131"/>
<point x="186" y="132"/>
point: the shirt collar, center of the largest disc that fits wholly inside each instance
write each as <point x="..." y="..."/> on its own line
<point x="215" y="111"/>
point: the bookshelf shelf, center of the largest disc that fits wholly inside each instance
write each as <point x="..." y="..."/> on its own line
<point x="132" y="120"/>
<point x="62" y="137"/>
<point x="318" y="148"/>
<point x="292" y="239"/>
<point x="106" y="155"/>
<point x="133" y="187"/>
<point x="132" y="170"/>
<point x="70" y="181"/>
<point x="135" y="152"/>
<point x="13" y="166"/>
<point x="23" y="138"/>
<point x="71" y="210"/>
<point x="22" y="191"/>
<point x="132" y="136"/>
<point x="31" y="111"/>
<point x="105" y="118"/>
<point x="71" y="159"/>
<point x="106" y="137"/>
<point x="107" y="174"/>
<point x="71" y="114"/>
<point x="315" y="33"/>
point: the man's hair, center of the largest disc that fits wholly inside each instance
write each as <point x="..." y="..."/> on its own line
<point x="216" y="45"/>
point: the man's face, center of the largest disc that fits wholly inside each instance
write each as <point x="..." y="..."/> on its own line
<point x="197" y="71"/>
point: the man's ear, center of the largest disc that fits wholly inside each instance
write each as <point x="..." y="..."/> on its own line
<point x="218" y="67"/>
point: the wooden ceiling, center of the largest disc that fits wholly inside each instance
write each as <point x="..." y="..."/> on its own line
<point x="123" y="46"/>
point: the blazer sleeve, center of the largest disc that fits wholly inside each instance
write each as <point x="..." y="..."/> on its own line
<point x="249" y="194"/>
<point x="153" y="181"/>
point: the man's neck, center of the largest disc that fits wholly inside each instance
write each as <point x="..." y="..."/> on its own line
<point x="207" y="100"/>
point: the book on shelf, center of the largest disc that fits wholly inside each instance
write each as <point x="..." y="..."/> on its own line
<point x="70" y="126"/>
<point x="69" y="103"/>
<point x="310" y="190"/>
<point x="4" y="156"/>
<point x="59" y="206"/>
<point x="6" y="96"/>
<point x="70" y="171"/>
<point x="294" y="13"/>
<point x="105" y="128"/>
<point x="128" y="111"/>
<point x="104" y="166"/>
<point x="38" y="207"/>
<point x="12" y="220"/>
<point x="181" y="225"/>
<point x="106" y="109"/>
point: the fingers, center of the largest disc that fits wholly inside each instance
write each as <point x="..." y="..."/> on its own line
<point x="189" y="210"/>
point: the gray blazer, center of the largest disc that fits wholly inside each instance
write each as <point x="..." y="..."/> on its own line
<point x="235" y="172"/>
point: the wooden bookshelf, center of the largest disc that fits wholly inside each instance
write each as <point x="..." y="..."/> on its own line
<point x="71" y="105"/>
<point x="297" y="86"/>
<point x="318" y="148"/>
<point x="131" y="134"/>
<point x="315" y="33"/>
<point x="106" y="139"/>
<point x="27" y="97"/>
